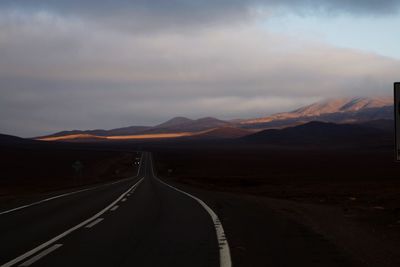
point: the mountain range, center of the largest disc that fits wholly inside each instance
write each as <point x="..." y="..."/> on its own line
<point x="341" y="110"/>
<point x="377" y="110"/>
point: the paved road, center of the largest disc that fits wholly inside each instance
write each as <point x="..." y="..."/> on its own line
<point x="144" y="222"/>
<point x="137" y="222"/>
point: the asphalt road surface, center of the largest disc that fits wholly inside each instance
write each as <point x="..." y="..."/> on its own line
<point x="144" y="221"/>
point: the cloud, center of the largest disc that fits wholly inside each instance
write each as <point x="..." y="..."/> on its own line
<point x="180" y="7"/>
<point x="144" y="16"/>
<point x="104" y="64"/>
<point x="60" y="73"/>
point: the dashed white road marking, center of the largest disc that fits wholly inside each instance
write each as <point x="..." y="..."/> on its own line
<point x="224" y="251"/>
<point x="90" y="225"/>
<point x="51" y="241"/>
<point x="41" y="255"/>
<point x="114" y="208"/>
<point x="123" y="200"/>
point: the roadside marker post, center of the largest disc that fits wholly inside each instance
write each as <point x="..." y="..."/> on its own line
<point x="397" y="121"/>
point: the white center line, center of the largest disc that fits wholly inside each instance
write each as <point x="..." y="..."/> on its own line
<point x="90" y="225"/>
<point x="41" y="255"/>
<point x="114" y="208"/>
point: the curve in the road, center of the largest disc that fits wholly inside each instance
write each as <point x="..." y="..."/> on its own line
<point x="224" y="251"/>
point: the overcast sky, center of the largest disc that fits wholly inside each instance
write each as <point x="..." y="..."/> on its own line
<point x="72" y="64"/>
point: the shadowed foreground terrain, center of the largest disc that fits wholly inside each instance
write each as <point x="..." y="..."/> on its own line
<point x="34" y="168"/>
<point x="329" y="199"/>
<point x="350" y="195"/>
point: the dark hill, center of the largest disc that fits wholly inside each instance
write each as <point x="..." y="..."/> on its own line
<point x="126" y="130"/>
<point x="4" y="138"/>
<point x="223" y="133"/>
<point x="10" y="140"/>
<point x="386" y="125"/>
<point x="100" y="132"/>
<point x="181" y="124"/>
<point x="322" y="134"/>
<point x="173" y="122"/>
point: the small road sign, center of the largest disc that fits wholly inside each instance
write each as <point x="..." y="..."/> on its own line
<point x="77" y="166"/>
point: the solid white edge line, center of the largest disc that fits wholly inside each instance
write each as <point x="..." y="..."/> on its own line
<point x="70" y="193"/>
<point x="47" y="199"/>
<point x="90" y="225"/>
<point x="51" y="241"/>
<point x="224" y="251"/>
<point x="41" y="255"/>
